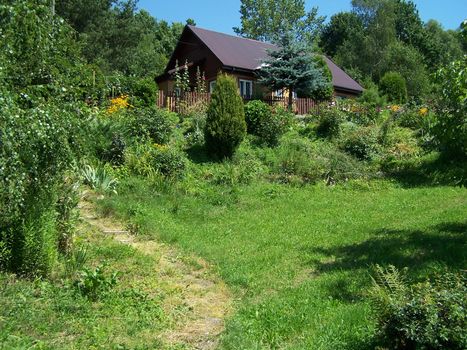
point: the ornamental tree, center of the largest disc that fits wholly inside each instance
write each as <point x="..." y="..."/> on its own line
<point x="292" y="67"/>
<point x="225" y="122"/>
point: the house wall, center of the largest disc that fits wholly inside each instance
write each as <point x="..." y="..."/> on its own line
<point x="190" y="49"/>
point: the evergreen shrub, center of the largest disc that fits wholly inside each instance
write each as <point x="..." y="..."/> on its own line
<point x="225" y="123"/>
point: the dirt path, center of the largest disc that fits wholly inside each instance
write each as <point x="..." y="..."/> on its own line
<point x="205" y="297"/>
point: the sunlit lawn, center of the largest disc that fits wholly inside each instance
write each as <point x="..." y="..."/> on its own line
<point x="299" y="260"/>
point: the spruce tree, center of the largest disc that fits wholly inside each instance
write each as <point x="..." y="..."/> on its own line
<point x="292" y="67"/>
<point x="225" y="123"/>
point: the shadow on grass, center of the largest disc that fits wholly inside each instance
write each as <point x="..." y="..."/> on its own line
<point x="432" y="170"/>
<point x="444" y="243"/>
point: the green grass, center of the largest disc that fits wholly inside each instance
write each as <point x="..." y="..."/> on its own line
<point x="52" y="314"/>
<point x="300" y="259"/>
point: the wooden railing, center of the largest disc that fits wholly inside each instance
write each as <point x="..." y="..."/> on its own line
<point x="183" y="102"/>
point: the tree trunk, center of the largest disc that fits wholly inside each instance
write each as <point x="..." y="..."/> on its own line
<point x="290" y="103"/>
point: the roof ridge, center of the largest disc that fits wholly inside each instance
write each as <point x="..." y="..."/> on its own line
<point x="230" y="35"/>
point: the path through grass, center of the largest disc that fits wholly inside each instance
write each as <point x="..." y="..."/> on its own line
<point x="299" y="259"/>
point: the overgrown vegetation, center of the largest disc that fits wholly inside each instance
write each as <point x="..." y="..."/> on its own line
<point x="292" y="210"/>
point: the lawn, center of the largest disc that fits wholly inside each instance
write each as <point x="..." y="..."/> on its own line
<point x="299" y="259"/>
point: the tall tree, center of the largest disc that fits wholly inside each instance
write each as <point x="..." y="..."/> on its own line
<point x="292" y="67"/>
<point x="342" y="27"/>
<point x="265" y="19"/>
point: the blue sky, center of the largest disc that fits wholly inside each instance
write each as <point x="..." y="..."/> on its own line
<point x="222" y="15"/>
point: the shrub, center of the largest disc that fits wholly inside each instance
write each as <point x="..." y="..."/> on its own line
<point x="298" y="159"/>
<point x="269" y="124"/>
<point x="104" y="138"/>
<point x="429" y="315"/>
<point x="255" y="112"/>
<point x="195" y="122"/>
<point x="329" y="122"/>
<point x="451" y="126"/>
<point x="371" y="96"/>
<point x="153" y="123"/>
<point x="393" y="86"/>
<point x="359" y="113"/>
<point x="35" y="152"/>
<point x="143" y="92"/>
<point x="401" y="143"/>
<point x="151" y="160"/>
<point x="225" y="123"/>
<point x="362" y="143"/>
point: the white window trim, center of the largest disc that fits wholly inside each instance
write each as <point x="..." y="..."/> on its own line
<point x="240" y="81"/>
<point x="212" y="85"/>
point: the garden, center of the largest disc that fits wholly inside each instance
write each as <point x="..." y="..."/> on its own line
<point x="341" y="229"/>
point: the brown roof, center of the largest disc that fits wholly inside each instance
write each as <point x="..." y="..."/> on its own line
<point x="234" y="51"/>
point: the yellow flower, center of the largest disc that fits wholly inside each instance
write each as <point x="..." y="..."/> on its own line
<point x="395" y="108"/>
<point x="118" y="103"/>
<point x="423" y="111"/>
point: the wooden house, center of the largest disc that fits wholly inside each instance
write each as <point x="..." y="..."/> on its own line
<point x="215" y="52"/>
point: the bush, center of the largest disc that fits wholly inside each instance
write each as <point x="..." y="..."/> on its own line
<point x="143" y="92"/>
<point x="153" y="123"/>
<point x="225" y="123"/>
<point x="362" y="143"/>
<point x="401" y="143"/>
<point x="359" y="113"/>
<point x="393" y="86"/>
<point x="194" y="123"/>
<point x="429" y="315"/>
<point x="326" y="91"/>
<point x="329" y="122"/>
<point x="151" y="160"/>
<point x="265" y="122"/>
<point x="371" y="96"/>
<point x="36" y="151"/>
<point x="451" y="125"/>
<point x="298" y="159"/>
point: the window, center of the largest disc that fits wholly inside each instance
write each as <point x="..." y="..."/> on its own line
<point x="246" y="88"/>
<point x="278" y="93"/>
<point x="212" y="85"/>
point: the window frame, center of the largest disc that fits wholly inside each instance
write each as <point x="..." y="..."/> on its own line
<point x="245" y="81"/>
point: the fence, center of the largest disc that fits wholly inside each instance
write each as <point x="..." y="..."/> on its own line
<point x="182" y="103"/>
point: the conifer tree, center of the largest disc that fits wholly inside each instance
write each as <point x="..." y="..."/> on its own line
<point x="292" y="67"/>
<point x="225" y="123"/>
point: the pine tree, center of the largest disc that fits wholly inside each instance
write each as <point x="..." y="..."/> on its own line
<point x="225" y="123"/>
<point x="292" y="67"/>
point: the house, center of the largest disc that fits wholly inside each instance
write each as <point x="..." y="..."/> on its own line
<point x="215" y="52"/>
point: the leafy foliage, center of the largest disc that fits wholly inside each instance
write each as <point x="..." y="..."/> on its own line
<point x="152" y="122"/>
<point x="265" y="19"/>
<point x="36" y="150"/>
<point x="225" y="123"/>
<point x="265" y="122"/>
<point x="94" y="283"/>
<point x="99" y="179"/>
<point x="429" y="315"/>
<point x="451" y="126"/>
<point x="393" y="86"/>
